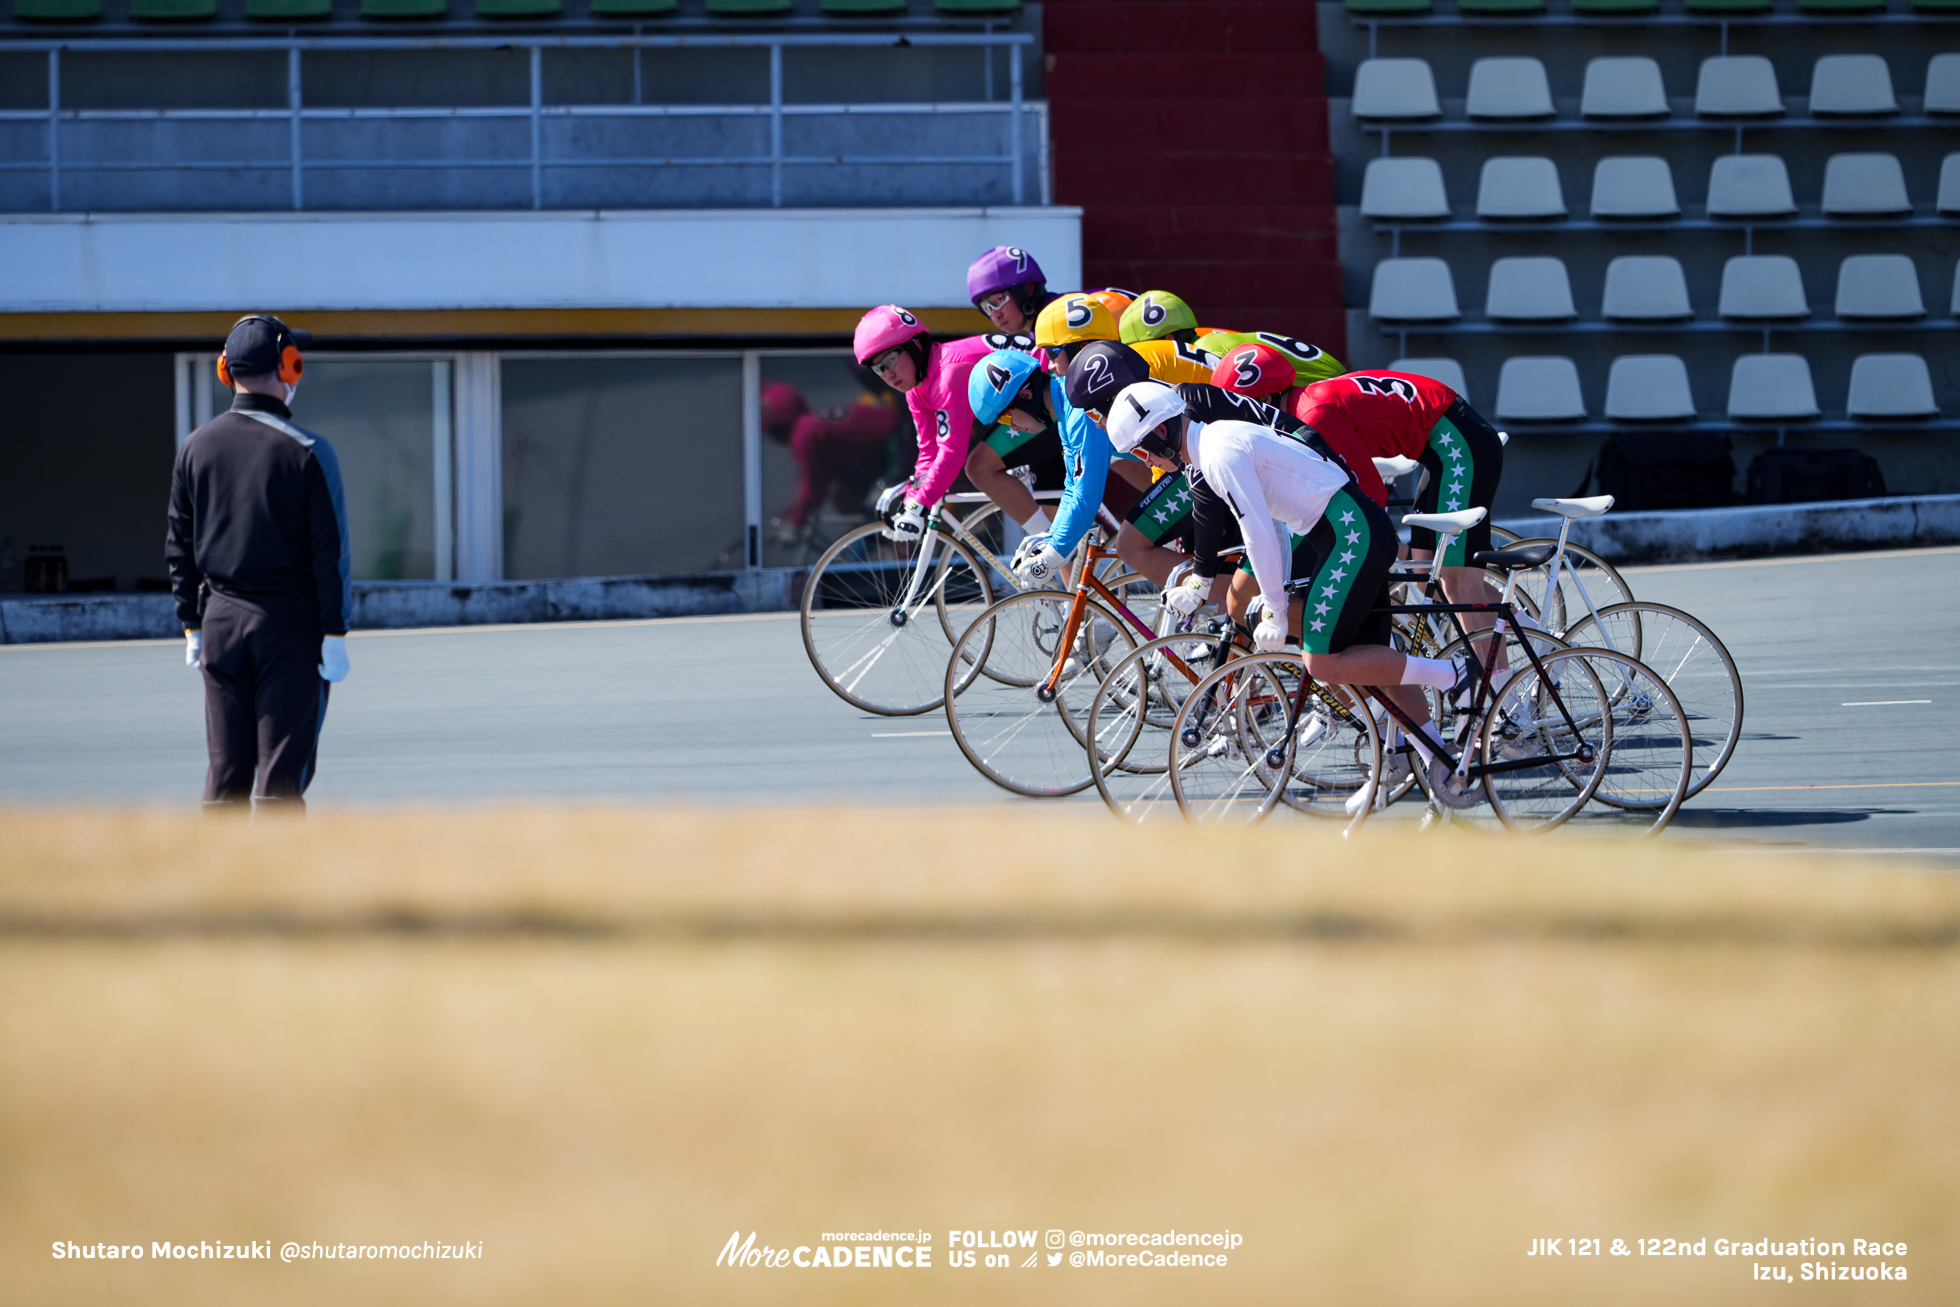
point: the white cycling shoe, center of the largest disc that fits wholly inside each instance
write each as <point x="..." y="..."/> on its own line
<point x="1395" y="769"/>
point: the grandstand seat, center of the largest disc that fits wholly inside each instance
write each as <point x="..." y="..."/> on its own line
<point x="1864" y="185"/>
<point x="1634" y="186"/>
<point x="1616" y="8"/>
<point x="519" y="8"/>
<point x="1447" y="371"/>
<point x="1879" y="286"/>
<point x="57" y="11"/>
<point x="1949" y="201"/>
<point x="1943" y="84"/>
<point x="1520" y="187"/>
<point x="1395" y="90"/>
<point x="1649" y="388"/>
<point x="1771" y="387"/>
<point x="1413" y="290"/>
<point x="1890" y="386"/>
<point x="1851" y="85"/>
<point x="1539" y="390"/>
<point x="1762" y="287"/>
<point x="1749" y="186"/>
<point x="1737" y="86"/>
<point x="1623" y="88"/>
<point x="1529" y="289"/>
<point x="634" y="8"/>
<point x="1509" y="88"/>
<point x="1645" y="288"/>
<point x="1404" y="189"/>
<point x="405" y="9"/>
<point x="174" y="11"/>
<point x="1380" y="8"/>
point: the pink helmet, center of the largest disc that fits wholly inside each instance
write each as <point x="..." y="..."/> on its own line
<point x="882" y="328"/>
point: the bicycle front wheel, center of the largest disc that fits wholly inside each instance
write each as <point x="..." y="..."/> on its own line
<point x="878" y="627"/>
<point x="1547" y="738"/>
<point x="1696" y="667"/>
<point x="1006" y="722"/>
<point x="1130" y="717"/>
<point x="1649" y="756"/>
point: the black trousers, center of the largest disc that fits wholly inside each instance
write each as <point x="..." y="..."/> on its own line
<point x="263" y="705"/>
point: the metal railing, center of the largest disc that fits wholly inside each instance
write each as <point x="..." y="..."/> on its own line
<point x="1015" y="110"/>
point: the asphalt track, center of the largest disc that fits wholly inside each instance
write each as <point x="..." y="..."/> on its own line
<point x="1849" y="664"/>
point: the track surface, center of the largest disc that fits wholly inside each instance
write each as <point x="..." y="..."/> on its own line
<point x="1848" y="664"/>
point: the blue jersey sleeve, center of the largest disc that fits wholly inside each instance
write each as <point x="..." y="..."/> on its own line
<point x="1086" y="451"/>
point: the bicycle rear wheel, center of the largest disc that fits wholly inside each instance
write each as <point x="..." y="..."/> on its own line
<point x="1696" y="667"/>
<point x="1018" y="739"/>
<point x="1587" y="583"/>
<point x="870" y="649"/>
<point x="1130" y="718"/>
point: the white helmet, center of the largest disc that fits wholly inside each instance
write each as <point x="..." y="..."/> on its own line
<point x="1140" y="409"/>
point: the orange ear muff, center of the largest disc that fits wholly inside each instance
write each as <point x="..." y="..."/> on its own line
<point x="224" y="370"/>
<point x="291" y="365"/>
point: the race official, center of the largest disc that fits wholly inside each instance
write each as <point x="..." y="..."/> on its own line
<point x="259" y="564"/>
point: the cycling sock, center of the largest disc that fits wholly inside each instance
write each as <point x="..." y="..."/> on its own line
<point x="1423" y="750"/>
<point x="1437" y="673"/>
<point x="1036" y="524"/>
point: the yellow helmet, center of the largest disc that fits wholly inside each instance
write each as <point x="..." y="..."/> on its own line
<point x="1074" y="319"/>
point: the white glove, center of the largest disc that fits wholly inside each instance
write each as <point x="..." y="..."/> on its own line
<point x="1037" y="564"/>
<point x="1188" y="596"/>
<point x="1270" y="637"/>
<point x="333" y="658"/>
<point x="909" y="526"/>
<point x="193" y="648"/>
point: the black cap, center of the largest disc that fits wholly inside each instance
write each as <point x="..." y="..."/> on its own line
<point x="255" y="344"/>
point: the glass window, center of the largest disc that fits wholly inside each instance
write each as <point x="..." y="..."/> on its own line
<point x="622" y="466"/>
<point x="381" y="416"/>
<point x="833" y="436"/>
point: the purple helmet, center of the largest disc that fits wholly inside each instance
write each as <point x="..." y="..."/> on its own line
<point x="1004" y="267"/>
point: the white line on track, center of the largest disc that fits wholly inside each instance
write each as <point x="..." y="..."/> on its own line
<point x="1881" y="703"/>
<point x="905" y="735"/>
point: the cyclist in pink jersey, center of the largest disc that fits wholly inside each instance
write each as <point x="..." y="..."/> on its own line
<point x="932" y="375"/>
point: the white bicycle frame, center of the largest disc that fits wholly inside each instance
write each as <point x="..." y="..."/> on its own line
<point x="919" y="591"/>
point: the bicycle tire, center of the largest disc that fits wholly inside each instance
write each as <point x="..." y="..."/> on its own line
<point x="1525" y="723"/>
<point x="1645" y="775"/>
<point x="1129" y="729"/>
<point x="867" y="660"/>
<point x="1585" y="575"/>
<point x="1695" y="665"/>
<point x="999" y="721"/>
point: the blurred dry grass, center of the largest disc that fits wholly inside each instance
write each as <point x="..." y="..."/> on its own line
<point x="599" y="1042"/>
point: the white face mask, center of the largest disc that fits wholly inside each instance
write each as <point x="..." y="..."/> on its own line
<point x="290" y="388"/>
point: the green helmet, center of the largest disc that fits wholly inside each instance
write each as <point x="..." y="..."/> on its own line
<point x="1154" y="315"/>
<point x="1310" y="362"/>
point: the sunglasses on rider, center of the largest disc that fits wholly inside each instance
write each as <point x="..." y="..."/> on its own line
<point x="993" y="303"/>
<point x="887" y="361"/>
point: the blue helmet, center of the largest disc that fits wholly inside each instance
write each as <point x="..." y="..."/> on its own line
<point x="996" y="380"/>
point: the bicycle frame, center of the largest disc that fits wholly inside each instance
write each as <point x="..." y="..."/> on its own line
<point x="1086" y="582"/>
<point x="918" y="592"/>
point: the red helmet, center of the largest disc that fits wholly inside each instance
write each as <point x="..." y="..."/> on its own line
<point x="1256" y="370"/>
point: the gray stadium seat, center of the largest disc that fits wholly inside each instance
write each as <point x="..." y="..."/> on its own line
<point x="1891" y="386"/>
<point x="1623" y="88"/>
<point x="1763" y="287"/>
<point x="1943" y="84"/>
<point x="1645" y="288"/>
<point x="1532" y="289"/>
<point x="1772" y="387"/>
<point x="1405" y="189"/>
<point x="1949" y="201"/>
<point x="1395" y="89"/>
<point x="1737" y="86"/>
<point x="1649" y="388"/>
<point x="1539" y="390"/>
<point x="1634" y="186"/>
<point x="1447" y="371"/>
<point x="1520" y="187"/>
<point x="1879" y="286"/>
<point x="1955" y="309"/>
<point x="1509" y="88"/>
<point x="1851" y="85"/>
<point x="1413" y="290"/>
<point x="1749" y="186"/>
<point x="1864" y="186"/>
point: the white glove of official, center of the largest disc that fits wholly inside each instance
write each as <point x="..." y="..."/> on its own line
<point x="1270" y="635"/>
<point x="1037" y="564"/>
<point x="333" y="658"/>
<point x="1188" y="595"/>
<point x="193" y="648"/>
<point x="909" y="526"/>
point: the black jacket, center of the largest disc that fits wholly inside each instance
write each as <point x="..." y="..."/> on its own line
<point x="257" y="513"/>
<point x="1209" y="515"/>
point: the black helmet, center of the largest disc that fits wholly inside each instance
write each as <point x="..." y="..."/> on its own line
<point x="1100" y="372"/>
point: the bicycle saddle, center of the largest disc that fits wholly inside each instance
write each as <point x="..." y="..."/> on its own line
<point x="1453" y="524"/>
<point x="1519" y="557"/>
<point x="1575" y="508"/>
<point x="1394" y="469"/>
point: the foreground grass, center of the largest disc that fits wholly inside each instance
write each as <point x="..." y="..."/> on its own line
<point x="600" y="1042"/>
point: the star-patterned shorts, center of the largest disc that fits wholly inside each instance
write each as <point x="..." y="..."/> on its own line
<point x="1164" y="514"/>
<point x="1348" y="554"/>
<point x="1465" y="459"/>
